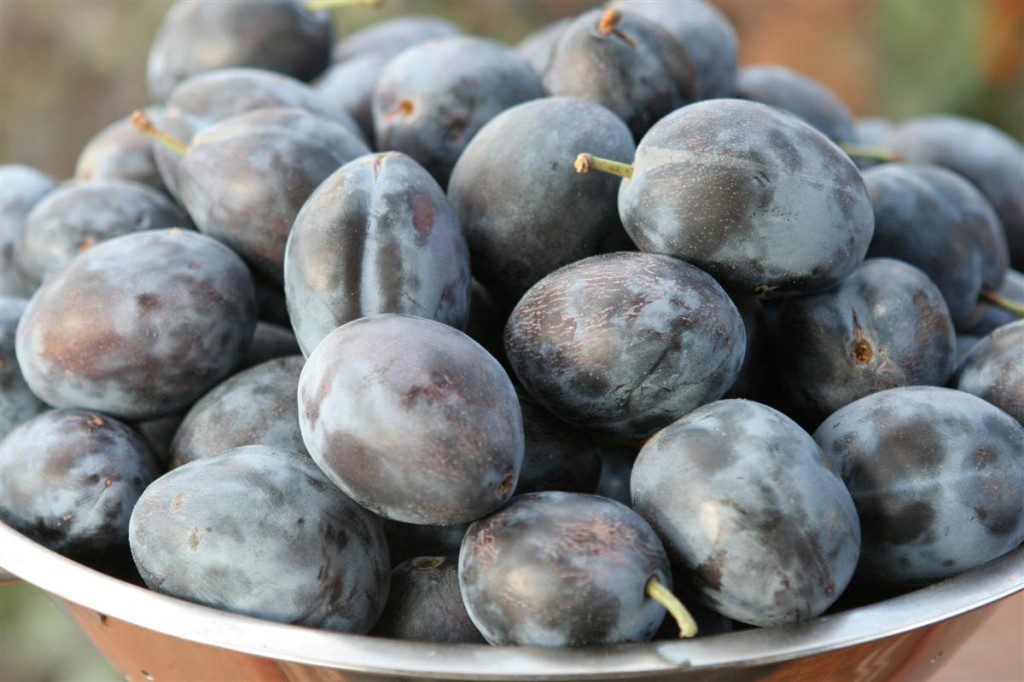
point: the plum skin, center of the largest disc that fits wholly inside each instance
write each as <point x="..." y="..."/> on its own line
<point x="23" y="187"/>
<point x="425" y="603"/>
<point x="412" y="419"/>
<point x="800" y="95"/>
<point x="778" y="537"/>
<point x="562" y="569"/>
<point x="18" y="403"/>
<point x="938" y="479"/>
<point x="993" y="370"/>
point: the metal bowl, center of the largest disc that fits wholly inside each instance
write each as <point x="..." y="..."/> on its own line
<point x="149" y="636"/>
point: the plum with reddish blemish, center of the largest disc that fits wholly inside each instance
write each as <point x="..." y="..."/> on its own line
<point x="18" y="403"/>
<point x="627" y="63"/>
<point x="118" y="152"/>
<point x="69" y="480"/>
<point x="254" y="407"/>
<point x="245" y="179"/>
<point x="623" y="344"/>
<point x="885" y="326"/>
<point x="433" y="97"/>
<point x="259" y="531"/>
<point x="937" y="476"/>
<point x="79" y="215"/>
<point x="751" y="514"/>
<point x="994" y="370"/>
<point x="391" y="36"/>
<point x="138" y="326"/>
<point x="425" y="604"/>
<point x="939" y="222"/>
<point x="800" y="95"/>
<point x="523" y="209"/>
<point x="563" y="569"/>
<point x="412" y="419"/>
<point x="197" y="36"/>
<point x="378" y="236"/>
<point x="23" y="188"/>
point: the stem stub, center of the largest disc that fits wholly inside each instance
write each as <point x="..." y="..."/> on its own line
<point x="146" y="126"/>
<point x="661" y="594"/>
<point x="587" y="162"/>
<point x="1005" y="302"/>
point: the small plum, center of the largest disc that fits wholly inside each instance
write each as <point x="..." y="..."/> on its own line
<point x="994" y="370"/>
<point x="425" y="604"/>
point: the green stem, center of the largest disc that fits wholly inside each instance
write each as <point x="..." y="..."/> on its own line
<point x="1004" y="302"/>
<point x="336" y="4"/>
<point x="876" y="153"/>
<point x="661" y="594"/>
<point x="146" y="126"/>
<point x="587" y="162"/>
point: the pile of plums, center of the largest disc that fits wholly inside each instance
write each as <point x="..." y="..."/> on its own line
<point x="421" y="335"/>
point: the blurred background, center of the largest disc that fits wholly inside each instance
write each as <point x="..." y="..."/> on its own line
<point x="69" y="67"/>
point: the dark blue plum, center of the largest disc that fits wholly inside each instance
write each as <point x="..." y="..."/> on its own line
<point x="934" y="219"/>
<point x="983" y="154"/>
<point x="69" y="480"/>
<point x="800" y="95"/>
<point x="993" y="316"/>
<point x="627" y="63"/>
<point x="269" y="341"/>
<point x="563" y="569"/>
<point x="433" y="97"/>
<point x="964" y="344"/>
<point x="348" y="86"/>
<point x="538" y="47"/>
<point x="270" y="303"/>
<point x="139" y="326"/>
<point x="706" y="35"/>
<point x="623" y="344"/>
<point x="750" y="512"/>
<point x="938" y="479"/>
<point x="413" y="419"/>
<point x="254" y="407"/>
<point x="760" y="200"/>
<point x="244" y="180"/>
<point x="198" y="36"/>
<point x="23" y="188"/>
<point x="616" y="469"/>
<point x="18" y="403"/>
<point x="159" y="433"/>
<point x="391" y="36"/>
<point x="261" y="532"/>
<point x="410" y="540"/>
<point x="378" y="236"/>
<point x="994" y="370"/>
<point x="524" y="212"/>
<point x="487" y="317"/>
<point x="556" y="456"/>
<point x="118" y="152"/>
<point x="754" y="379"/>
<point x="79" y="215"/>
<point x="886" y="326"/>
<point x="425" y="604"/>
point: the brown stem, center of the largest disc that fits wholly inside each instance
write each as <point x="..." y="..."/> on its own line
<point x="588" y="162"/>
<point x="146" y="126"/>
<point x="608" y="21"/>
<point x="1005" y="302"/>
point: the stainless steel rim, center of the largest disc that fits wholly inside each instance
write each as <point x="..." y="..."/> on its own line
<point x="71" y="581"/>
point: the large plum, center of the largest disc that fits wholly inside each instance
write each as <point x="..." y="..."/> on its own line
<point x="564" y="569"/>
<point x="759" y="199"/>
<point x="751" y="514"/>
<point x="887" y="325"/>
<point x="23" y="187"/>
<point x="938" y="479"/>
<point x="261" y="532"/>
<point x="934" y="219"/>
<point x="425" y="604"/>
<point x="994" y="370"/>
<point x="524" y="212"/>
<point x="254" y="407"/>
<point x="139" y="326"/>
<point x="203" y="35"/>
<point x="800" y="95"/>
<point x="18" y="403"/>
<point x="433" y="97"/>
<point x="378" y="236"/>
<point x="69" y="480"/>
<point x="118" y="152"/>
<point x="413" y="419"/>
<point x="622" y="344"/>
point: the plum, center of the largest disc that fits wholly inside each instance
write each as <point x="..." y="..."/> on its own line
<point x="410" y="540"/>
<point x="887" y="325"/>
<point x="378" y="236"/>
<point x="159" y="434"/>
<point x="254" y="407"/>
<point x="197" y="36"/>
<point x="934" y="219"/>
<point x="413" y="419"/>
<point x="992" y="160"/>
<point x="78" y="215"/>
<point x="118" y="152"/>
<point x="616" y="468"/>
<point x="994" y="370"/>
<point x="566" y="569"/>
<point x="69" y="480"/>
<point x="538" y="47"/>
<point x="760" y="200"/>
<point x="433" y="97"/>
<point x="270" y="303"/>
<point x="750" y="512"/>
<point x="523" y="211"/>
<point x="753" y="381"/>
<point x="23" y="188"/>
<point x="706" y="35"/>
<point x="391" y="36"/>
<point x="964" y="344"/>
<point x="629" y="64"/>
<point x="804" y="97"/>
<point x="623" y="344"/>
<point x="993" y="312"/>
<point x="139" y="326"/>
<point x="487" y="317"/>
<point x="938" y="479"/>
<point x="18" y="403"/>
<point x="425" y="604"/>
<point x="261" y="532"/>
<point x="348" y="86"/>
<point x="873" y="131"/>
<point x="556" y="456"/>
<point x="269" y="341"/>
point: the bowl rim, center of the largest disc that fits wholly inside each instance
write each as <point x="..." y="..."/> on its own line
<point x="109" y="596"/>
